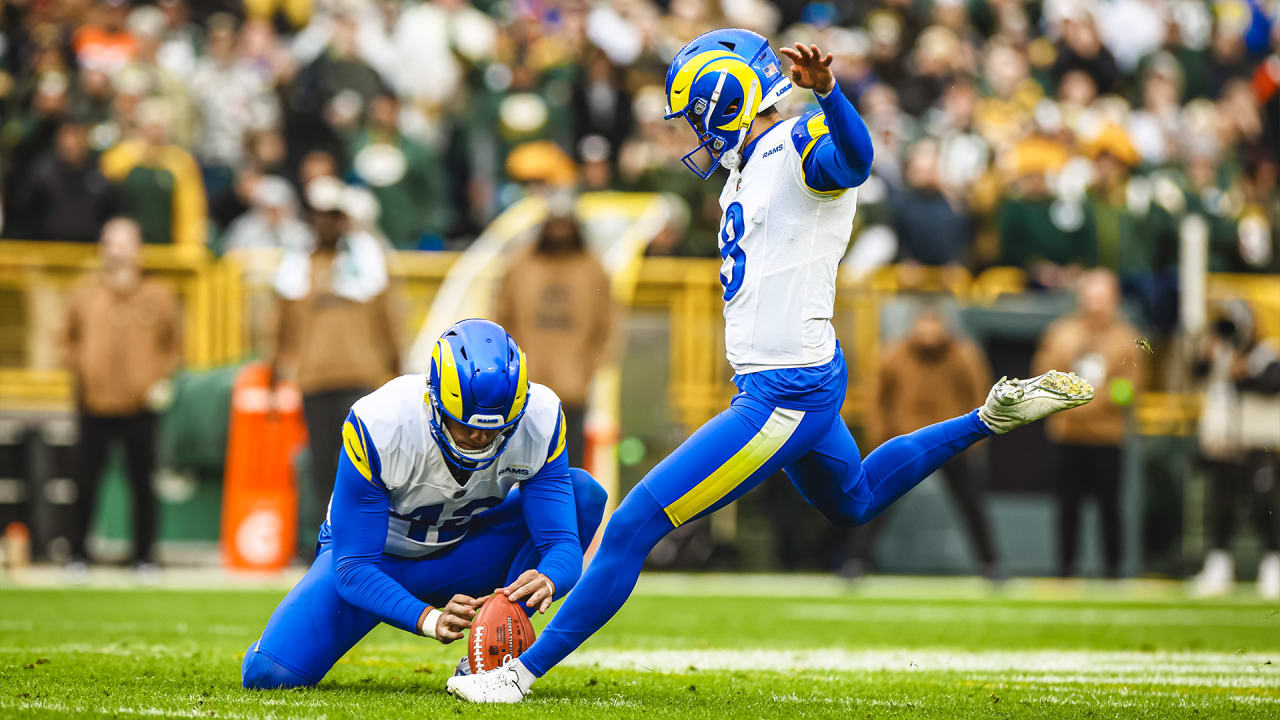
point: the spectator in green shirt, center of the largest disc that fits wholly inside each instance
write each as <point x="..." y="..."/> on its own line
<point x="405" y="176"/>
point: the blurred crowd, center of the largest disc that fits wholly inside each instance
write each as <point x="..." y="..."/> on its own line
<point x="1092" y="143"/>
<point x="1045" y="134"/>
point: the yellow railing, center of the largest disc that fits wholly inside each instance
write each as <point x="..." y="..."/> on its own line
<point x="36" y="282"/>
<point x="217" y="295"/>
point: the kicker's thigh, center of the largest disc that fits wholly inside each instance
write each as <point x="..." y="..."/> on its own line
<point x="830" y="474"/>
<point x="729" y="455"/>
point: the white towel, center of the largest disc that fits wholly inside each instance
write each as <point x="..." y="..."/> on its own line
<point x="359" y="270"/>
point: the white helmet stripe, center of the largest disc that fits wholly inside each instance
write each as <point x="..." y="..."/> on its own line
<point x="715" y="98"/>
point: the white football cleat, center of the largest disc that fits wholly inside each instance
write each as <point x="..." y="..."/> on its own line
<point x="1014" y="403"/>
<point x="500" y="685"/>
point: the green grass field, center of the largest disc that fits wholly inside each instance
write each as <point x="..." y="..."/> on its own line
<point x="686" y="647"/>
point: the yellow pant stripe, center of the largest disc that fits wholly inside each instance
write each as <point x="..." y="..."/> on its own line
<point x="775" y="433"/>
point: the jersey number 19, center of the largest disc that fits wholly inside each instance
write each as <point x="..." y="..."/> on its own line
<point x="425" y="518"/>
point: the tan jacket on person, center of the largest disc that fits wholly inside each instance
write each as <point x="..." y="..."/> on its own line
<point x="120" y="343"/>
<point x="1110" y="359"/>
<point x="326" y="342"/>
<point x="918" y="388"/>
<point x="560" y="310"/>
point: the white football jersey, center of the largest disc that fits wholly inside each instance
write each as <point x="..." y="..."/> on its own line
<point x="781" y="242"/>
<point x="429" y="509"/>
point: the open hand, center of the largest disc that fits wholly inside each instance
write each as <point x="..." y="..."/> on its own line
<point x="533" y="585"/>
<point x="810" y="69"/>
<point x="456" y="617"/>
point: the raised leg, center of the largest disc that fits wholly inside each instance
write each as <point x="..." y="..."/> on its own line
<point x="850" y="491"/>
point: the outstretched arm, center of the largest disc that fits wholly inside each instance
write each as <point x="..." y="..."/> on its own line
<point x="839" y="153"/>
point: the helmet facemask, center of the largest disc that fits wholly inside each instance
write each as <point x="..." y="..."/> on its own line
<point x="709" y="116"/>
<point x="478" y="378"/>
<point x="463" y="458"/>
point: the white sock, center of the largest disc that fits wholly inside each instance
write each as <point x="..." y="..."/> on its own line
<point x="524" y="678"/>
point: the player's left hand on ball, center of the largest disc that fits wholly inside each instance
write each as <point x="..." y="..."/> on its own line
<point x="533" y="585"/>
<point x="456" y="617"/>
<point x="810" y="69"/>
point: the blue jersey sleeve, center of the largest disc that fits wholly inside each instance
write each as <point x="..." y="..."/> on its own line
<point x="552" y="518"/>
<point x="358" y="519"/>
<point x="834" y="145"/>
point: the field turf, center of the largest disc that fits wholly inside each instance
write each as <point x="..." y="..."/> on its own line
<point x="685" y="647"/>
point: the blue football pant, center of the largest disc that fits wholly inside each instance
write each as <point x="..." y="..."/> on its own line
<point x="719" y="463"/>
<point x="313" y="626"/>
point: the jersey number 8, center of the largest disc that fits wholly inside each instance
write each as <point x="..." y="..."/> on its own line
<point x="730" y="235"/>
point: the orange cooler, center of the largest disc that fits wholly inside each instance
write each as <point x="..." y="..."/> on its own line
<point x="259" y="498"/>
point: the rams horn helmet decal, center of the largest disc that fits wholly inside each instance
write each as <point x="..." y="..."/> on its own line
<point x="719" y="82"/>
<point x="478" y="378"/>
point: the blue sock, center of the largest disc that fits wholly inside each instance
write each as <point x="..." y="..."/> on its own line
<point x="903" y="462"/>
<point x="849" y="491"/>
<point x="637" y="525"/>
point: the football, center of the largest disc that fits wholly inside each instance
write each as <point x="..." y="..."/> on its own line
<point x="501" y="628"/>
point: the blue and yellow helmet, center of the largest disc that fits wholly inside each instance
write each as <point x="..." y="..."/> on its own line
<point x="478" y="378"/>
<point x="719" y="82"/>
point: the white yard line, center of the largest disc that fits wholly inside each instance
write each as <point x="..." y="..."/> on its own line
<point x="55" y="706"/>
<point x="1260" y="617"/>
<point x="1206" y="669"/>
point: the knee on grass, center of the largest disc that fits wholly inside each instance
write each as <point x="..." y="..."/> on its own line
<point x="260" y="672"/>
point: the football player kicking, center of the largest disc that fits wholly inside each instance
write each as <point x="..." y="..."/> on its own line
<point x="788" y="215"/>
<point x="426" y="516"/>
